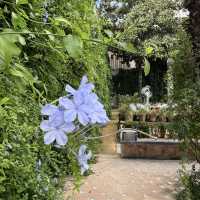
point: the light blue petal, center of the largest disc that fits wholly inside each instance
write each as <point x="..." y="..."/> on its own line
<point x="45" y="126"/>
<point x="70" y="89"/>
<point x="89" y="155"/>
<point x="82" y="150"/>
<point x="66" y="103"/>
<point x="83" y="118"/>
<point x="68" y="127"/>
<point x="85" y="166"/>
<point x="70" y="115"/>
<point x="86" y="108"/>
<point x="91" y="98"/>
<point x="49" y="109"/>
<point x="61" y="138"/>
<point x="83" y="170"/>
<point x="57" y="119"/>
<point x="88" y="87"/>
<point x="49" y="137"/>
<point x="78" y="98"/>
<point x="84" y="80"/>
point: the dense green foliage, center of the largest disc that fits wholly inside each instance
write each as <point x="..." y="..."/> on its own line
<point x="47" y="52"/>
<point x="186" y="94"/>
<point x="186" y="97"/>
<point x="151" y="27"/>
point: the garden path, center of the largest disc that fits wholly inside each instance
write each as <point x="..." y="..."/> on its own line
<point x="129" y="179"/>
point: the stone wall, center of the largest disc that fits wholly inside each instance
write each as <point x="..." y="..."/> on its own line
<point x="156" y="150"/>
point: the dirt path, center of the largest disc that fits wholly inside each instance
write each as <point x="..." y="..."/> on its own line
<point x="130" y="179"/>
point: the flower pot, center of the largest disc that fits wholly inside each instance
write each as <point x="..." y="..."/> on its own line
<point x="153" y="117"/>
<point x="143" y="117"/>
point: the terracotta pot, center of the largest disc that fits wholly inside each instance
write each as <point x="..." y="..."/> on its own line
<point x="153" y="117"/>
<point x="163" y="118"/>
<point x="143" y="117"/>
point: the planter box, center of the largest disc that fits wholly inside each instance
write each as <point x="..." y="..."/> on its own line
<point x="149" y="148"/>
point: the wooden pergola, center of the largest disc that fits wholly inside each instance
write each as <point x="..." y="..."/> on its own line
<point x="126" y="66"/>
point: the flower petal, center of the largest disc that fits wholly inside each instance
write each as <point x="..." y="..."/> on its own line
<point x="49" y="109"/>
<point x="83" y="118"/>
<point x="86" y="108"/>
<point x="45" y="126"/>
<point x="84" y="80"/>
<point x="61" y="138"/>
<point x="82" y="150"/>
<point x="88" y="87"/>
<point x="70" y="115"/>
<point x="89" y="155"/>
<point x="68" y="127"/>
<point x="78" y="98"/>
<point x="70" y="89"/>
<point x="49" y="137"/>
<point x="66" y="103"/>
<point x="57" y="119"/>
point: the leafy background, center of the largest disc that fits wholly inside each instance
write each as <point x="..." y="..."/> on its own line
<point x="43" y="46"/>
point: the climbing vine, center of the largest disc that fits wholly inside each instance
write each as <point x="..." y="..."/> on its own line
<point x="44" y="45"/>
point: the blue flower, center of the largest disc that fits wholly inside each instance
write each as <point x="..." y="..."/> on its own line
<point x="45" y="17"/>
<point x="48" y="109"/>
<point x="84" y="105"/>
<point x="98" y="3"/>
<point x="55" y="127"/>
<point x="83" y="158"/>
<point x="84" y="87"/>
<point x="38" y="165"/>
<point x="75" y="108"/>
<point x="97" y="113"/>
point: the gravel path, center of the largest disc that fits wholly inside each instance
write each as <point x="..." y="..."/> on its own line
<point x="130" y="179"/>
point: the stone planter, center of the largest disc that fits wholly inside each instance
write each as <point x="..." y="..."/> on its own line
<point x="148" y="148"/>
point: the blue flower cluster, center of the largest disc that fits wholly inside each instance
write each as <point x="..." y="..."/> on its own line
<point x="81" y="107"/>
<point x="83" y="157"/>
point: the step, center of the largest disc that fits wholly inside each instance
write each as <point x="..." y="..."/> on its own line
<point x="109" y="143"/>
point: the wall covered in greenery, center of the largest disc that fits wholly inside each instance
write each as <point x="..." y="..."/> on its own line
<point x="187" y="99"/>
<point x="43" y="46"/>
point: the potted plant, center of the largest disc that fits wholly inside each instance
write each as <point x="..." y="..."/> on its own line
<point x="153" y="115"/>
<point x="142" y="115"/>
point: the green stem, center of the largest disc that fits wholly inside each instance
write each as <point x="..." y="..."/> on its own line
<point x="29" y="19"/>
<point x="98" y="137"/>
<point x="58" y="35"/>
<point x="2" y="1"/>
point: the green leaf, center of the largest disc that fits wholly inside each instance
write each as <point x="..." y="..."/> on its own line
<point x="22" y="72"/>
<point x="8" y="47"/>
<point x="149" y="51"/>
<point x="61" y="20"/>
<point x="51" y="36"/>
<point x="108" y="33"/>
<point x="146" y="67"/>
<point x="18" y="21"/>
<point x="74" y="45"/>
<point x="21" y="39"/>
<point x="21" y="1"/>
<point x="4" y="101"/>
<point x="127" y="46"/>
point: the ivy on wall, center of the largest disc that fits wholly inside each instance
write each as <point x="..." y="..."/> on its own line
<point x="43" y="46"/>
